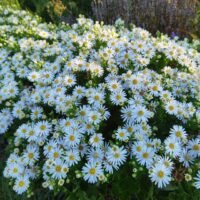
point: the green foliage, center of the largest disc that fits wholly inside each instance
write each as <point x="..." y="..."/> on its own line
<point x="122" y="187"/>
<point x="196" y="23"/>
<point x="11" y="3"/>
<point x="52" y="10"/>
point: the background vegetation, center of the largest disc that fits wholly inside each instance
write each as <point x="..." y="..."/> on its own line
<point x="164" y="15"/>
<point x="167" y="16"/>
<point x="55" y="10"/>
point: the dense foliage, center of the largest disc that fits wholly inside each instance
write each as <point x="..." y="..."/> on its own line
<point x="93" y="104"/>
<point x="52" y="10"/>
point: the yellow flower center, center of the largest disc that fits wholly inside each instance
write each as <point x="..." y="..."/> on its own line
<point x="138" y="148"/>
<point x="145" y="155"/>
<point x="140" y="46"/>
<point x="155" y="88"/>
<point x="49" y="148"/>
<point x="196" y="147"/>
<point x="67" y="123"/>
<point x="178" y="134"/>
<point x="69" y="80"/>
<point x="96" y="155"/>
<point x="94" y="117"/>
<point x="58" y="168"/>
<point x="79" y="91"/>
<point x="23" y="130"/>
<point x="55" y="67"/>
<point x="47" y="75"/>
<point x="11" y="91"/>
<point x="88" y="126"/>
<point x="114" y="86"/>
<point x="129" y="129"/>
<point x="117" y="155"/>
<point x="135" y="81"/>
<point x="36" y="113"/>
<point x="33" y="76"/>
<point x="171" y="146"/>
<point x="15" y="170"/>
<point x="42" y="127"/>
<point x="30" y="155"/>
<point x="96" y="98"/>
<point x="92" y="171"/>
<point x="82" y="113"/>
<point x="71" y="138"/>
<point x="118" y="97"/>
<point x="121" y="134"/>
<point x="171" y="107"/>
<point x="71" y="157"/>
<point x="47" y="95"/>
<point x="21" y="183"/>
<point x="160" y="174"/>
<point x="56" y="155"/>
<point x="126" y="56"/>
<point x="140" y="113"/>
<point x="165" y="95"/>
<point x="96" y="139"/>
<point x="58" y="89"/>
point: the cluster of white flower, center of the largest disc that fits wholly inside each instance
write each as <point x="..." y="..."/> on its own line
<point x="88" y="98"/>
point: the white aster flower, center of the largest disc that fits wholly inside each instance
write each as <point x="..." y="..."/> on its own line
<point x="91" y="172"/>
<point x="160" y="175"/>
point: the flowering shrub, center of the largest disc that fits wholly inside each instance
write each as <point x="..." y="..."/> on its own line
<point x="195" y="44"/>
<point x="82" y="102"/>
